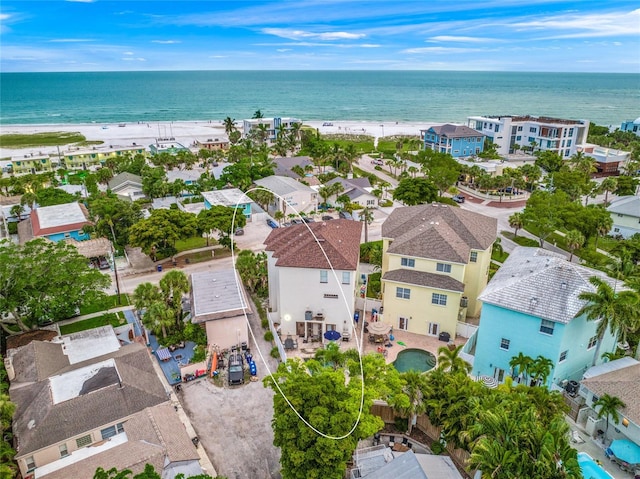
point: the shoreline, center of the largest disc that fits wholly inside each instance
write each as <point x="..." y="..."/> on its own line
<point x="186" y="132"/>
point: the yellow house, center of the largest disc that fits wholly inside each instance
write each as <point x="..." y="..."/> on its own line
<point x="31" y="164"/>
<point x="82" y="159"/>
<point x="435" y="263"/>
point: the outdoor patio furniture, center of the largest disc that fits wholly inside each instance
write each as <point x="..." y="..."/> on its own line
<point x="289" y="344"/>
<point x="392" y="441"/>
<point x="163" y="354"/>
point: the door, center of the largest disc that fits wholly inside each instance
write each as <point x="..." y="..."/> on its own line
<point x="300" y="329"/>
<point x="434" y="329"/>
<point x="498" y="374"/>
<point x="403" y="323"/>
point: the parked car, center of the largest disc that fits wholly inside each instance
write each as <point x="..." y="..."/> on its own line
<point x="296" y="221"/>
<point x="327" y="217"/>
<point x="345" y="215"/>
<point x="104" y="264"/>
<point x="377" y="162"/>
<point x="458" y="199"/>
<point x="236" y="369"/>
<point x="272" y="223"/>
<point x="307" y="219"/>
<point x="239" y="232"/>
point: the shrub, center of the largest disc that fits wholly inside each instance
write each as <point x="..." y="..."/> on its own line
<point x="268" y="336"/>
<point x="265" y="323"/>
<point x="385" y="203"/>
<point x="199" y="354"/>
<point x="437" y="448"/>
<point x="401" y="423"/>
<point x="275" y="353"/>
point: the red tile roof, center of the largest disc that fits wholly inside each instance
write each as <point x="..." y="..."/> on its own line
<point x="296" y="246"/>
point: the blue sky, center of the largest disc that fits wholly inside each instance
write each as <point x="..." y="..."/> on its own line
<point x="509" y="35"/>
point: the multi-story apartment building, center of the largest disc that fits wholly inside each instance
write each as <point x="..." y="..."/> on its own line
<point x="273" y="126"/>
<point x="539" y="133"/>
<point x="85" y="158"/>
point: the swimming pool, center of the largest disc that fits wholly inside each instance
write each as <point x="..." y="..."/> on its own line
<point x="591" y="470"/>
<point x="416" y="359"/>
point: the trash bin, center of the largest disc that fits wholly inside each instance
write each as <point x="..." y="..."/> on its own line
<point x="444" y="336"/>
<point x="159" y="268"/>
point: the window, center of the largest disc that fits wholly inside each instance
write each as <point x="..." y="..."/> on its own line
<point x="404" y="293"/>
<point x="403" y="323"/>
<point x="474" y="257"/>
<point x="563" y="355"/>
<point x="592" y="342"/>
<point x="346" y="277"/>
<point x="408" y="262"/>
<point x="63" y="450"/>
<point x="497" y="128"/>
<point x="439" y="299"/>
<point x="546" y="326"/>
<point x="594" y="399"/>
<point x="111" y="431"/>
<point x="324" y="276"/>
<point x="83" y="441"/>
<point x="30" y="463"/>
<point x="443" y="268"/>
<point x="504" y="344"/>
<point x="532" y="129"/>
<point x="518" y="138"/>
<point x="519" y="128"/>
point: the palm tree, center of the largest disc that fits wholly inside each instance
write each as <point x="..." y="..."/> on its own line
<point x="615" y="312"/>
<point x="174" y="285"/>
<point x="450" y="360"/>
<point x="158" y="317"/>
<point x="17" y="210"/>
<point x="520" y="363"/>
<point x="366" y="216"/>
<point x="516" y="221"/>
<point x="278" y="216"/>
<point x="540" y="370"/>
<point x="575" y="240"/>
<point x="415" y="388"/>
<point x="145" y="295"/>
<point x="229" y="125"/>
<point x="607" y="186"/>
<point x="609" y="406"/>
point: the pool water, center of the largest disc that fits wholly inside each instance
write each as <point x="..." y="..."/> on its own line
<point x="414" y="359"/>
<point x="591" y="470"/>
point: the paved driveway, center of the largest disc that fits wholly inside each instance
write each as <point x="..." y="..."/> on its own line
<point x="234" y="424"/>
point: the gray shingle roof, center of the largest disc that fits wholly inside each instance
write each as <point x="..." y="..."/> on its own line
<point x="122" y="178"/>
<point x="624" y="384"/>
<point x="455" y="131"/>
<point x="542" y="284"/>
<point x="626" y="205"/>
<point x="140" y="388"/>
<point x="438" y="231"/>
<point x="283" y="185"/>
<point x="420" y="278"/>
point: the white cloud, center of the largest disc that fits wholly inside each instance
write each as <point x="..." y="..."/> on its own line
<point x="451" y="38"/>
<point x="127" y="53"/>
<point x="585" y="26"/>
<point x="4" y="16"/>
<point x="81" y="1"/>
<point x="166" y="42"/>
<point x="71" y="40"/>
<point x="302" y="34"/>
<point x="443" y="50"/>
<point x="282" y="50"/>
<point x="218" y="56"/>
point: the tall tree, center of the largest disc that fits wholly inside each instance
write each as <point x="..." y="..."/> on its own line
<point x="174" y="285"/>
<point x="614" y="311"/>
<point x="544" y="212"/>
<point x="410" y="402"/>
<point x="516" y="221"/>
<point x="44" y="281"/>
<point x="450" y="360"/>
<point x="575" y="240"/>
<point x="415" y="191"/>
<point x="520" y="366"/>
<point x="366" y="216"/>
<point x="608" y="406"/>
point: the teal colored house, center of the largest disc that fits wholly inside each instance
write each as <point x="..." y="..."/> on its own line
<point x="232" y="197"/>
<point x="529" y="307"/>
<point x="60" y="222"/>
<point x="456" y="140"/>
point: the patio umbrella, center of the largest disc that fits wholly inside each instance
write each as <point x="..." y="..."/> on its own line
<point x="488" y="381"/>
<point x="332" y="335"/>
<point x="379" y="328"/>
<point x="626" y="450"/>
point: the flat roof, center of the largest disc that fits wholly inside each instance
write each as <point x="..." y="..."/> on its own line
<point x="90" y="344"/>
<point x="216" y="292"/>
<point x="228" y="197"/>
<point x="81" y="381"/>
<point x="60" y="215"/>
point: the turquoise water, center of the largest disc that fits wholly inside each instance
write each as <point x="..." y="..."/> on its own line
<point x="589" y="468"/>
<point x="112" y="97"/>
<point x="415" y="359"/>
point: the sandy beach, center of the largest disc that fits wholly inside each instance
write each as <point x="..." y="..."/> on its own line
<point x="186" y="132"/>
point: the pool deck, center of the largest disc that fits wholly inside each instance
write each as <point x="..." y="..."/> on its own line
<point x="171" y="367"/>
<point x="596" y="450"/>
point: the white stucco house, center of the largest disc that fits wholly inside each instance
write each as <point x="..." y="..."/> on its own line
<point x="312" y="277"/>
<point x="290" y="196"/>
<point x="625" y="213"/>
<point x="357" y="189"/>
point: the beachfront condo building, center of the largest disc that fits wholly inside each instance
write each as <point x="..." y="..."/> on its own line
<point x="29" y="164"/>
<point x="529" y="307"/>
<point x="631" y="125"/>
<point x="435" y="263"/>
<point x="86" y="158"/>
<point x="457" y="140"/>
<point x="271" y="126"/>
<point x="512" y="133"/>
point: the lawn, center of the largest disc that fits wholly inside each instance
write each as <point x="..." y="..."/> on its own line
<point x="51" y="138"/>
<point x="192" y="243"/>
<point x="112" y="319"/>
<point x="108" y="303"/>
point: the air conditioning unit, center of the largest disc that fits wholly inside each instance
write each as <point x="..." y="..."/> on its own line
<point x="464" y="302"/>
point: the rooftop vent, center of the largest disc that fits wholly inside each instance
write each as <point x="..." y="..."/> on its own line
<point x="563" y="285"/>
<point x="533" y="302"/>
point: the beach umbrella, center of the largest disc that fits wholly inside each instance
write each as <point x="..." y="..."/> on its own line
<point x="626" y="450"/>
<point x="488" y="381"/>
<point x="332" y="335"/>
<point x="379" y="327"/>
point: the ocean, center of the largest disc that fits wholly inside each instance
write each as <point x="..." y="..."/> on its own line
<point x="403" y="96"/>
